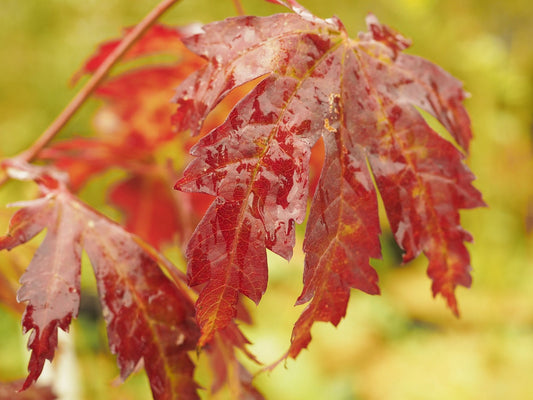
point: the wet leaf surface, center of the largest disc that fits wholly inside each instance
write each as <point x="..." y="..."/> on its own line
<point x="360" y="95"/>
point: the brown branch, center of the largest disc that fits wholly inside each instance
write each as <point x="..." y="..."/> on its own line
<point x="95" y="80"/>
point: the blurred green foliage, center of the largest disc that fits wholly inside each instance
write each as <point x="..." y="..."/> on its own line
<point x="401" y="345"/>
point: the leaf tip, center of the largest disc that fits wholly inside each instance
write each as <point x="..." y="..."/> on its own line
<point x="205" y="339"/>
<point x="447" y="291"/>
<point x="388" y="36"/>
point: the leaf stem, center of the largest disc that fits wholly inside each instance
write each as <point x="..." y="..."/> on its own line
<point x="238" y="7"/>
<point x="95" y="80"/>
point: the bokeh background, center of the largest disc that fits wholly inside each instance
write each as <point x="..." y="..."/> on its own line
<point x="401" y="345"/>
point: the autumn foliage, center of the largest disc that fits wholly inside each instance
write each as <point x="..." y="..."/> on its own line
<point x="257" y="94"/>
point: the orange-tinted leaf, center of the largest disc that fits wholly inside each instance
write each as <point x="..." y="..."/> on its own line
<point x="158" y="39"/>
<point x="131" y="126"/>
<point x="82" y="158"/>
<point x="138" y="109"/>
<point x="148" y="317"/>
<point x="360" y="96"/>
<point x="134" y="122"/>
<point x="135" y="118"/>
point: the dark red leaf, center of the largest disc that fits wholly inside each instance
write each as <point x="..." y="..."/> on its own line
<point x="360" y="96"/>
<point x="342" y="236"/>
<point x="51" y="284"/>
<point x="148" y="317"/>
<point x="227" y="251"/>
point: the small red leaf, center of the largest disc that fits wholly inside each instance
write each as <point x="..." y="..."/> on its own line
<point x="135" y="119"/>
<point x="148" y="317"/>
<point x="81" y="158"/>
<point x="130" y="127"/>
<point x="51" y="284"/>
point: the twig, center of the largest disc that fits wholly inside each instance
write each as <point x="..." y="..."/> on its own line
<point x="96" y="79"/>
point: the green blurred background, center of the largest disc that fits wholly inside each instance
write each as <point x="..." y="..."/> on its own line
<point x="401" y="345"/>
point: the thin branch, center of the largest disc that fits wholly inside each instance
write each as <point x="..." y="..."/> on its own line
<point x="96" y="79"/>
<point x="238" y="7"/>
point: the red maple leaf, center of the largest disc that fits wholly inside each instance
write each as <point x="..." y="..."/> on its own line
<point x="149" y="318"/>
<point x="159" y="39"/>
<point x="360" y="95"/>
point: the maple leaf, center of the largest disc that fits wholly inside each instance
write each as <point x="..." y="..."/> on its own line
<point x="360" y="95"/>
<point x="51" y="283"/>
<point x="148" y="317"/>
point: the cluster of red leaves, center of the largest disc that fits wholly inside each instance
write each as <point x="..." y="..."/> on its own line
<point x="303" y="81"/>
<point x="131" y="126"/>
